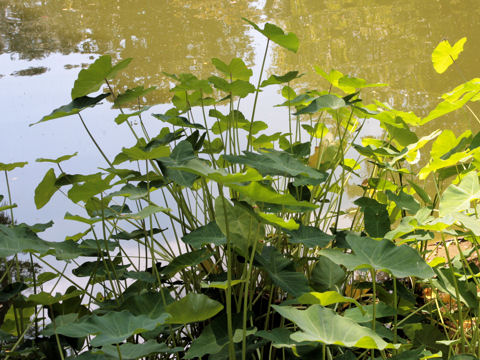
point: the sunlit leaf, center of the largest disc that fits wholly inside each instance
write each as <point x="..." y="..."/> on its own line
<point x="325" y="298"/>
<point x="458" y="197"/>
<point x="278" y="221"/>
<point x="236" y="70"/>
<point x="445" y="54"/>
<point x="288" y="41"/>
<point x="323" y="325"/>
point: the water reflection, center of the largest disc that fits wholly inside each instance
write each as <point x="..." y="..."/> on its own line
<point x="383" y="41"/>
<point x="174" y="36"/>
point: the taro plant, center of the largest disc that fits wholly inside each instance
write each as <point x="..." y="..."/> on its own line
<point x="246" y="246"/>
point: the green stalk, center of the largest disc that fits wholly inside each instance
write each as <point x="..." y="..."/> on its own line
<point x="250" y="144"/>
<point x="231" y="345"/>
<point x="94" y="141"/>
<point x="374" y="296"/>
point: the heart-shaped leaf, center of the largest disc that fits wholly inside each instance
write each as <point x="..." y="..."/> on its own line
<point x="445" y="54"/>
<point x="400" y="261"/>
<point x="320" y="324"/>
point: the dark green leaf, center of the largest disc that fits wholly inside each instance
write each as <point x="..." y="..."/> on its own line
<point x="89" y="80"/>
<point x="132" y="95"/>
<point x="192" y="308"/>
<point x="208" y="234"/>
<point x="57" y="160"/>
<point x="321" y="103"/>
<point x="73" y="108"/>
<point x="185" y="260"/>
<point x="280" y="79"/>
<point x="282" y="271"/>
<point x="310" y="237"/>
<point x="45" y="190"/>
<point x="384" y="255"/>
<point x="131" y="351"/>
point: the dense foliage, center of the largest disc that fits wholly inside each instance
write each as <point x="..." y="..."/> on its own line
<point x="247" y="247"/>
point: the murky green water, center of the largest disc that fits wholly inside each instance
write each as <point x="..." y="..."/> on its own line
<point x="44" y="43"/>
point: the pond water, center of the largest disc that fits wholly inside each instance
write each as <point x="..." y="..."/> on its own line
<point x="44" y="44"/>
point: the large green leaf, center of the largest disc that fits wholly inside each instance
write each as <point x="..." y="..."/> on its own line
<point x="326" y="275"/>
<point x="181" y="154"/>
<point x="132" y="95"/>
<point x="73" y="108"/>
<point x="192" y="308"/>
<point x="185" y="260"/>
<point x="274" y="162"/>
<point x="400" y="261"/>
<point x="92" y="186"/>
<point x="11" y="166"/>
<point x="239" y="88"/>
<point x="131" y="351"/>
<point x="112" y="328"/>
<point x="274" y="33"/>
<point x="45" y="190"/>
<point x="236" y="70"/>
<point x="323" y="325"/>
<point x="89" y="80"/>
<point x="208" y="234"/>
<point x="375" y="218"/>
<point x="458" y="197"/>
<point x="214" y="338"/>
<point x="178" y="121"/>
<point x="280" y="79"/>
<point x="282" y="271"/>
<point x="310" y="237"/>
<point x="445" y="54"/>
<point x="148" y="303"/>
<point x="239" y="223"/>
<point x="17" y="239"/>
<point x="323" y="102"/>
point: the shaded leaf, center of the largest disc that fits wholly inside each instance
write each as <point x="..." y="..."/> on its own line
<point x="73" y="108"/>
<point x="310" y="237"/>
<point x="192" y="308"/>
<point x="57" y="160"/>
<point x="45" y="190"/>
<point x="379" y="255"/>
<point x="282" y="271"/>
<point x="208" y="234"/>
<point x="89" y="80"/>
